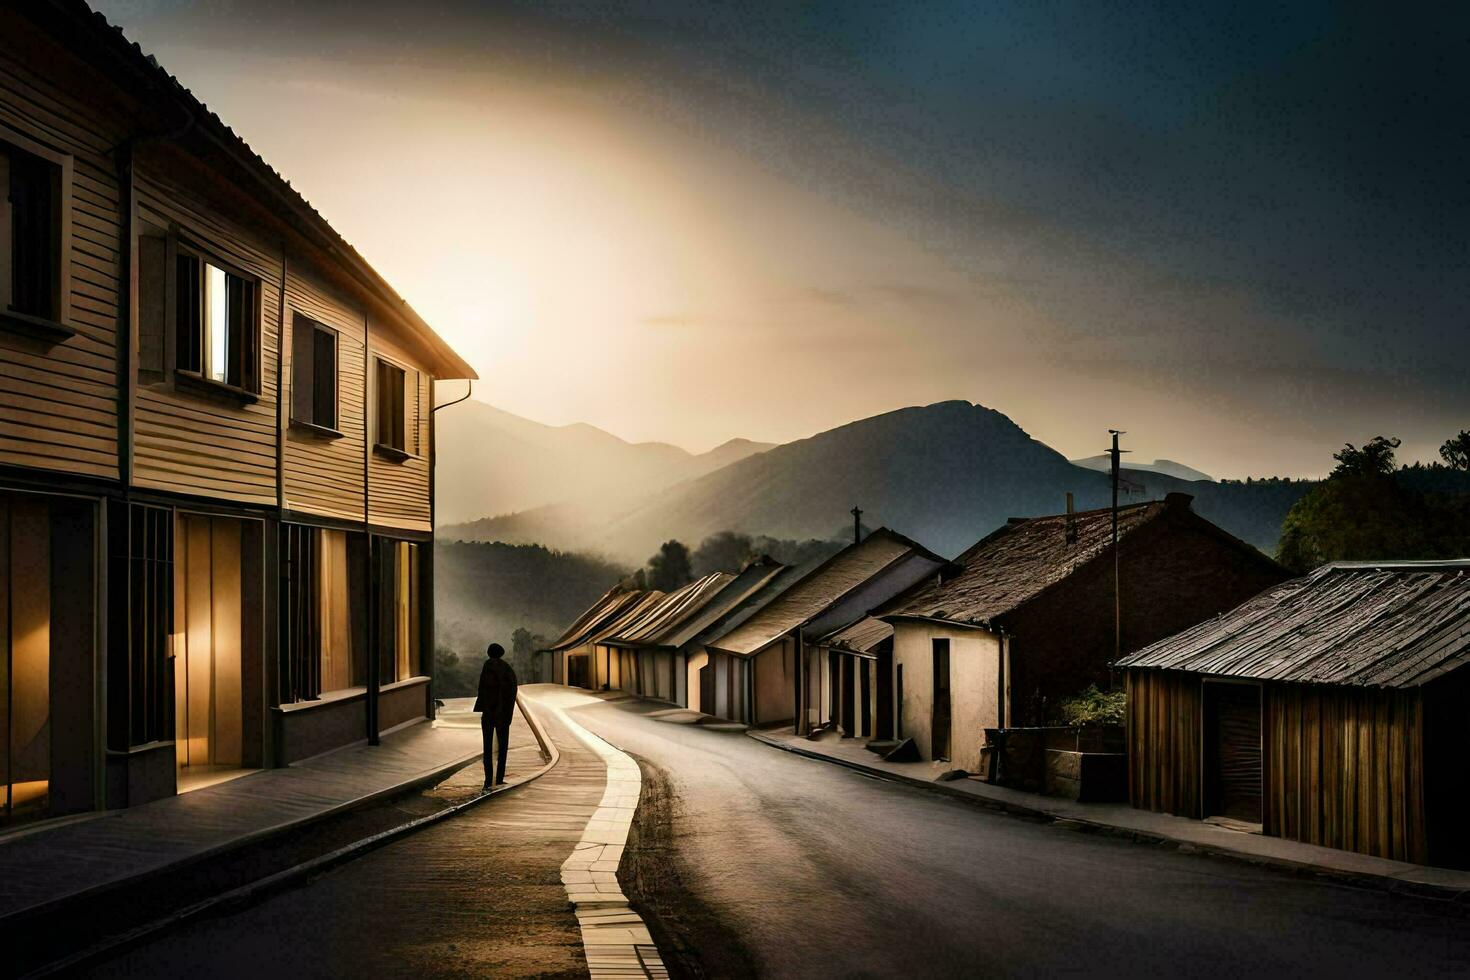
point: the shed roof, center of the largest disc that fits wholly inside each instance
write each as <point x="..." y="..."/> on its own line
<point x="1395" y="625"/>
<point x="752" y="578"/>
<point x="805" y="599"/>
<point x="670" y="611"/>
<point x="142" y="75"/>
<point x="1015" y="563"/>
<point x="862" y="636"/>
<point x="605" y="614"/>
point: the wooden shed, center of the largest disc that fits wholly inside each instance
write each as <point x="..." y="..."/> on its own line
<point x="1329" y="710"/>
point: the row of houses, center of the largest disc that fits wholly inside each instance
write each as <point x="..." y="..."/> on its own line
<point x="1305" y="706"/>
<point x="216" y="445"/>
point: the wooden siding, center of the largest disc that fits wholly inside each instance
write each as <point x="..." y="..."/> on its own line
<point x="398" y="492"/>
<point x="58" y="408"/>
<point x="205" y="445"/>
<point x="1164" y="715"/>
<point x="1340" y="768"/>
<point x="1344" y="768"/>
<point x="325" y="476"/>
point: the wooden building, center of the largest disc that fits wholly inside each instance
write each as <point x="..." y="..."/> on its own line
<point x="859" y="661"/>
<point x="216" y="444"/>
<point x="774" y="671"/>
<point x="1027" y="618"/>
<point x="656" y="654"/>
<point x="1329" y="710"/>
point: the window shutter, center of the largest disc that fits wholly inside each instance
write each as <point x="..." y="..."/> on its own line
<point x="152" y="307"/>
<point x="411" y="410"/>
<point x="188" y="309"/>
<point x="301" y="369"/>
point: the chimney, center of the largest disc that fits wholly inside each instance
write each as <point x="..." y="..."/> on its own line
<point x="1071" y="519"/>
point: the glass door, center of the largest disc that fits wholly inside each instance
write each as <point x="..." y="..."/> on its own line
<point x="25" y="656"/>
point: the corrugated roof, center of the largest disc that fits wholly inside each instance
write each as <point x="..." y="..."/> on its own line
<point x="602" y="615"/>
<point x="756" y="600"/>
<point x="862" y="636"/>
<point x="1396" y="625"/>
<point x="158" y="81"/>
<point x="669" y="612"/>
<point x="807" y="598"/>
<point x="752" y="578"/>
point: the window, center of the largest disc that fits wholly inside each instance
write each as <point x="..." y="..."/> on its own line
<point x="198" y="314"/>
<point x="393" y="400"/>
<point x="399" y="601"/>
<point x="140" y="669"/>
<point x="313" y="374"/>
<point x="320" y="630"/>
<point x="34" y="198"/>
<point x="216" y="322"/>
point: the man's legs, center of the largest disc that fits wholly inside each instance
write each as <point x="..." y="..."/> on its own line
<point x="487" y="731"/>
<point x="502" y="736"/>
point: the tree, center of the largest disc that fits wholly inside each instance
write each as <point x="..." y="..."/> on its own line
<point x="523" y="647"/>
<point x="669" y="569"/>
<point x="1357" y="517"/>
<point x="1375" y="458"/>
<point x="1456" y="452"/>
<point x="726" y="551"/>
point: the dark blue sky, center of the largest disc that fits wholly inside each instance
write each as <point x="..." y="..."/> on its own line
<point x="1242" y="227"/>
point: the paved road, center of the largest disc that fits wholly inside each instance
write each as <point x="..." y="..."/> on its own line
<point x="822" y="871"/>
<point x="477" y="895"/>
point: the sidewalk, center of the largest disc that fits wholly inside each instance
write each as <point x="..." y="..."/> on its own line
<point x="45" y="867"/>
<point x="1140" y="824"/>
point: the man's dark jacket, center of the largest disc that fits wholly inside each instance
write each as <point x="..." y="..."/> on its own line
<point x="497" y="695"/>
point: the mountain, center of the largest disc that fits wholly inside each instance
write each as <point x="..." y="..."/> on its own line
<point x="945" y="474"/>
<point x="1167" y="467"/>
<point x="942" y="474"/>
<point x="492" y="462"/>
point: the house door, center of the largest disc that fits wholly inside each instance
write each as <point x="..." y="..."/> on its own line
<point x="940" y="728"/>
<point x="1233" y="751"/>
<point x="865" y="700"/>
<point x="849" y="725"/>
<point x="209" y="691"/>
<point x="834" y="687"/>
<point x="707" y="689"/>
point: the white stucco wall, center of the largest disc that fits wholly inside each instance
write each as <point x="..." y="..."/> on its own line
<point x="697" y="659"/>
<point x="973" y="667"/>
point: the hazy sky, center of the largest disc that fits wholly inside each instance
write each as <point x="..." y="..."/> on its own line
<point x="1241" y="233"/>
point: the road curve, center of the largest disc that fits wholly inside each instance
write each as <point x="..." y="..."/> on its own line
<point x="822" y="871"/>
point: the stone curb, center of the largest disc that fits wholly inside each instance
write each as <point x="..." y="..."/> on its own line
<point x="254" y="891"/>
<point x="1387" y="883"/>
<point x="615" y="938"/>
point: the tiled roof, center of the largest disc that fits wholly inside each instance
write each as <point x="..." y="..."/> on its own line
<point x="1016" y="562"/>
<point x="807" y="598"/>
<point x="157" y="81"/>
<point x="1396" y="625"/>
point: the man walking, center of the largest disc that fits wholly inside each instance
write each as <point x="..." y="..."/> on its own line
<point x="495" y="703"/>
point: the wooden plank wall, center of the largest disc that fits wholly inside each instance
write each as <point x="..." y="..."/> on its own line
<point x="399" y="491"/>
<point x="1344" y="768"/>
<point x="58" y="408"/>
<point x="1163" y="718"/>
<point x="205" y="445"/>
<point x="322" y="476"/>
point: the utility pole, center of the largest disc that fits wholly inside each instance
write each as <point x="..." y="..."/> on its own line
<point x="1116" y="454"/>
<point x="857" y="525"/>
